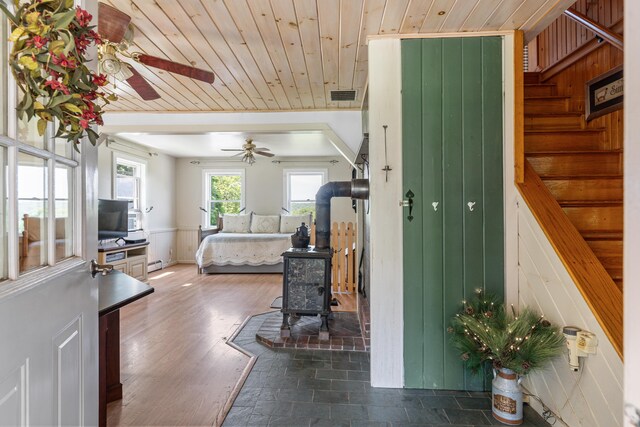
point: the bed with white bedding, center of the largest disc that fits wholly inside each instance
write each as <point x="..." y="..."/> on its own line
<point x="242" y="250"/>
<point x="247" y="243"/>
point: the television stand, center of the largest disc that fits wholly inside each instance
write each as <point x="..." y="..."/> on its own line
<point x="131" y="259"/>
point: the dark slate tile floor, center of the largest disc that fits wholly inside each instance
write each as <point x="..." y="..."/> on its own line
<point x="289" y="387"/>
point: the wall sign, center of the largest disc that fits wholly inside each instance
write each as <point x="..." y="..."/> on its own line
<point x="605" y="94"/>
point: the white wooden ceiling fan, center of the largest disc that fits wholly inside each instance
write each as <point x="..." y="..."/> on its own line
<point x="249" y="150"/>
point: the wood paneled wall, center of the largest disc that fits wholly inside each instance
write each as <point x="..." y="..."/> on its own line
<point x="572" y="80"/>
<point x="565" y="36"/>
<point x="593" y="397"/>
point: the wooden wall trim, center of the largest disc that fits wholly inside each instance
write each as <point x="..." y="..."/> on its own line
<point x="599" y="291"/>
<point x="575" y="56"/>
<point x="518" y="91"/>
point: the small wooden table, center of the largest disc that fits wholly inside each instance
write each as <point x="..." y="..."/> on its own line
<point x="115" y="290"/>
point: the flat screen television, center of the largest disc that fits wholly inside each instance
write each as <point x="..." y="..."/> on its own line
<point x="112" y="219"/>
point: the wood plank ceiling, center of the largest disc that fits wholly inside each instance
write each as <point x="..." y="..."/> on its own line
<point x="287" y="55"/>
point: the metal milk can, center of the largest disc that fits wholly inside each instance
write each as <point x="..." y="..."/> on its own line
<point x="506" y="397"/>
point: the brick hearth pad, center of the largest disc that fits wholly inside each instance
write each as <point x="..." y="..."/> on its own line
<point x="344" y="329"/>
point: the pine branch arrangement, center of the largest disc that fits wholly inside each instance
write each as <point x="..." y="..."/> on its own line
<point x="484" y="332"/>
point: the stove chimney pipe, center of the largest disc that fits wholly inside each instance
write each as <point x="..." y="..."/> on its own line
<point x="356" y="189"/>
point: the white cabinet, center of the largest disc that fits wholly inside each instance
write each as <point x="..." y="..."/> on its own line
<point x="130" y="259"/>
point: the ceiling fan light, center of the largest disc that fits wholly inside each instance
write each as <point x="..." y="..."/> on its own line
<point x="124" y="73"/>
<point x="248" y="158"/>
<point x="109" y="64"/>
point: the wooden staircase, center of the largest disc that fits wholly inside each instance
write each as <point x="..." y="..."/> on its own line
<point x="576" y="165"/>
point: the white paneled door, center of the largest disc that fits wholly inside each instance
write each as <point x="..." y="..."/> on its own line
<point x="49" y="327"/>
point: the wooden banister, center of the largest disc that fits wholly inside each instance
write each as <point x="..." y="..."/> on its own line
<point x="599" y="291"/>
<point x="603" y="32"/>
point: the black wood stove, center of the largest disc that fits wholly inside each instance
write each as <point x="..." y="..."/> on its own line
<point x="306" y="284"/>
<point x="306" y="287"/>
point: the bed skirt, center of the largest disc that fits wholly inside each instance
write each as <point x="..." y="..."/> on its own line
<point x="236" y="269"/>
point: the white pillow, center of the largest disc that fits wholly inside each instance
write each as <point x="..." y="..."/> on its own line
<point x="289" y="223"/>
<point x="265" y="223"/>
<point x="236" y="223"/>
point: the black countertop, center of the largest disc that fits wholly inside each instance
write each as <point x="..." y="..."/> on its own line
<point x="116" y="289"/>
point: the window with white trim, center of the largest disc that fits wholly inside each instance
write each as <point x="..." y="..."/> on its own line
<point x="223" y="194"/>
<point x="129" y="183"/>
<point x="38" y="188"/>
<point x="301" y="186"/>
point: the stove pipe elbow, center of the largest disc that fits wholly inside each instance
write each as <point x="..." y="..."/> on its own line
<point x="355" y="189"/>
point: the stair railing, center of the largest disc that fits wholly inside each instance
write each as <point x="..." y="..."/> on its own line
<point x="600" y="31"/>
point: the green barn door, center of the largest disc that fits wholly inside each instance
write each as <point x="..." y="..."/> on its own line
<point x="452" y="166"/>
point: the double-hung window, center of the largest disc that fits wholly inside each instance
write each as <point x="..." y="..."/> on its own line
<point x="301" y="186"/>
<point x="129" y="185"/>
<point x="223" y="194"/>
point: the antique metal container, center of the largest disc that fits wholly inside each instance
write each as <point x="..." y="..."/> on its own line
<point x="306" y="287"/>
<point x="507" y="397"/>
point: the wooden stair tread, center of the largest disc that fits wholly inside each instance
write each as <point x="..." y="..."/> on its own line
<point x="590" y="203"/>
<point x="565" y="131"/>
<point x="602" y="235"/>
<point x="563" y="177"/>
<point x="612" y="248"/>
<point x="550" y="114"/>
<point x="573" y="152"/>
<point x="549" y="97"/>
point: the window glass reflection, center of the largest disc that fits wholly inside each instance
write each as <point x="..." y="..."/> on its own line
<point x="3" y="76"/>
<point x="27" y="132"/>
<point x="32" y="211"/>
<point x="3" y="215"/>
<point x="64" y="212"/>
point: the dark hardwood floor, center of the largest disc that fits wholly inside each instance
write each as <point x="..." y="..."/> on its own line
<point x="176" y="368"/>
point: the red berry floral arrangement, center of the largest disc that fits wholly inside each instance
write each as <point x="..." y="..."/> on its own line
<point x="50" y="39"/>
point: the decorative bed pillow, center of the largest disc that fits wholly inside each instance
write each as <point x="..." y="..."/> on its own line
<point x="289" y="223"/>
<point x="236" y="223"/>
<point x="265" y="223"/>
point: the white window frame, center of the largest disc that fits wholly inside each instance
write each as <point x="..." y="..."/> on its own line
<point x="141" y="164"/>
<point x="17" y="282"/>
<point x="206" y="191"/>
<point x="288" y="173"/>
<point x="14" y="147"/>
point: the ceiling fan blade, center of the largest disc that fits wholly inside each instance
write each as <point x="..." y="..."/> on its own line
<point x="112" y="24"/>
<point x="231" y="149"/>
<point x="262" y="153"/>
<point x="141" y="85"/>
<point x="174" y="67"/>
<point x="261" y="149"/>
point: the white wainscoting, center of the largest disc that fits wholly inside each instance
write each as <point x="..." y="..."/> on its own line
<point x="187" y="245"/>
<point x="162" y="247"/>
<point x="592" y="397"/>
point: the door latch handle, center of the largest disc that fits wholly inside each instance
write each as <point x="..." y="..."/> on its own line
<point x="96" y="268"/>
<point x="409" y="202"/>
<point x="471" y="205"/>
